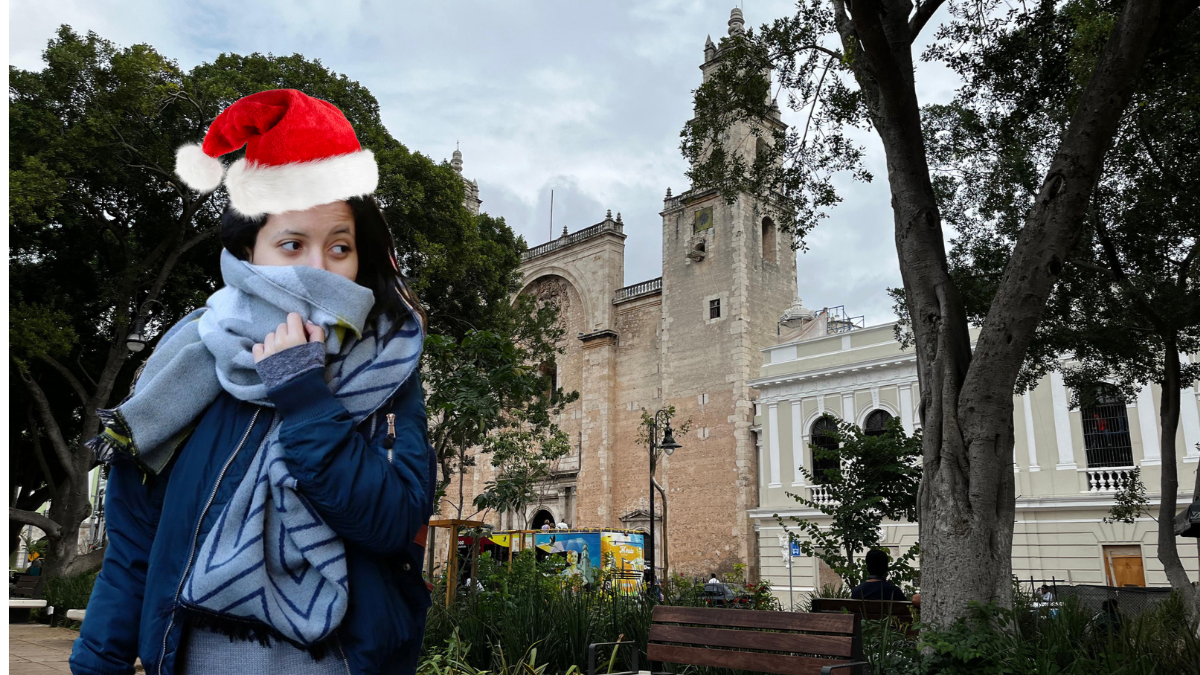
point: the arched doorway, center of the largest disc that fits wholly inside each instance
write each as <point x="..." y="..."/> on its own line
<point x="542" y="517"/>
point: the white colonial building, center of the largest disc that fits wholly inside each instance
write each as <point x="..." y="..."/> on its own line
<point x="1067" y="461"/>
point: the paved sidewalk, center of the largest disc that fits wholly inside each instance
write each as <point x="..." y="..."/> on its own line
<point x="37" y="649"/>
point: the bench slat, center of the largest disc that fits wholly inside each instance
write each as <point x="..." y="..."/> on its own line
<point x="755" y="661"/>
<point x="827" y="645"/>
<point x="744" y="618"/>
<point x="870" y="608"/>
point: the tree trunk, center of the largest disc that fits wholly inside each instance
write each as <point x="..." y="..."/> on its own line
<point x="1168" y="552"/>
<point x="967" y="497"/>
<point x="71" y="504"/>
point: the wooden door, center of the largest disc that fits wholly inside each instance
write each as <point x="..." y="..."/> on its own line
<point x="1123" y="565"/>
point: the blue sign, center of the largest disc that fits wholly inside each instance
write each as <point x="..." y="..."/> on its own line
<point x="795" y="550"/>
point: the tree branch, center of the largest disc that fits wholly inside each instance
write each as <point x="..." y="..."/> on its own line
<point x="76" y="385"/>
<point x="79" y="362"/>
<point x="1091" y="266"/>
<point x="46" y="413"/>
<point x="1141" y="301"/>
<point x="35" y="519"/>
<point x="1054" y="224"/>
<point x="1185" y="266"/>
<point x="36" y="436"/>
<point x="88" y="562"/>
<point x="921" y="16"/>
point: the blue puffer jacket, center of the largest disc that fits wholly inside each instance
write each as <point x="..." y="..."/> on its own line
<point x="377" y="504"/>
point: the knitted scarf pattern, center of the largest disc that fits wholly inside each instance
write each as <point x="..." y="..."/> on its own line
<point x="269" y="561"/>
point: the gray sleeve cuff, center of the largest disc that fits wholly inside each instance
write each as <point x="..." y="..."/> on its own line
<point x="280" y="368"/>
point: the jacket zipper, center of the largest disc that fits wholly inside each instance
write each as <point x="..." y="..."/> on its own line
<point x="337" y="642"/>
<point x="196" y="536"/>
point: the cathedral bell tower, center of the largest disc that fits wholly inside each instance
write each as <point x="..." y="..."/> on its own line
<point x="728" y="273"/>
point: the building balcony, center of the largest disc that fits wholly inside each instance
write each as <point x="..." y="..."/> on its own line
<point x="819" y="494"/>
<point x="1106" y="479"/>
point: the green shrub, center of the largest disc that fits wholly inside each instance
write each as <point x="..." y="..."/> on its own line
<point x="68" y="593"/>
<point x="1027" y="641"/>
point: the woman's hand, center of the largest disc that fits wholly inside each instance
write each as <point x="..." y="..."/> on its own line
<point x="291" y="334"/>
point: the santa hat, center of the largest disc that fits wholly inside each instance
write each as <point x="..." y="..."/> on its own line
<point x="301" y="152"/>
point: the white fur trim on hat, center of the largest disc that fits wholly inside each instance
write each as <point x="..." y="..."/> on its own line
<point x="257" y="189"/>
<point x="198" y="170"/>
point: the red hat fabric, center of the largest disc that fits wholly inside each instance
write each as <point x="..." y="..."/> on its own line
<point x="301" y="152"/>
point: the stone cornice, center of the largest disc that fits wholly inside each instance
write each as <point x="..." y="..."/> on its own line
<point x="600" y="338"/>
<point x="885" y="372"/>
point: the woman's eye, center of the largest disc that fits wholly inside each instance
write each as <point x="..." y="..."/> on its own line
<point x="342" y="249"/>
<point x="292" y="246"/>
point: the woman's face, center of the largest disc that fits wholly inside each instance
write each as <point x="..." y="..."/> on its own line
<point x="322" y="237"/>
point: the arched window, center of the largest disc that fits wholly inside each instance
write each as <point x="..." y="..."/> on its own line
<point x="1106" y="430"/>
<point x="549" y="370"/>
<point x="768" y="240"/>
<point x="876" y="422"/>
<point x="822" y="437"/>
<point x="761" y="148"/>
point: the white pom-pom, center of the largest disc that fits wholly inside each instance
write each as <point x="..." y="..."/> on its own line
<point x="198" y="170"/>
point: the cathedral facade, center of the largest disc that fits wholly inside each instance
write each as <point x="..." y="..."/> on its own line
<point x="691" y="339"/>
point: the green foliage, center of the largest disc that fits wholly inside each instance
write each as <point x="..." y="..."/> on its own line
<point x="1023" y="640"/>
<point x="792" y="171"/>
<point x="1128" y="296"/>
<point x="493" y="390"/>
<point x="1130" y="501"/>
<point x="65" y="593"/>
<point x="532" y="606"/>
<point x="877" y="479"/>
<point x="36" y="330"/>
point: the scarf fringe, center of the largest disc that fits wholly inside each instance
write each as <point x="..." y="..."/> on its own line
<point x="249" y="630"/>
<point x="103" y="445"/>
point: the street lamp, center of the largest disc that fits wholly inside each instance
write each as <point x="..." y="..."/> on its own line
<point x="669" y="446"/>
<point x="136" y="341"/>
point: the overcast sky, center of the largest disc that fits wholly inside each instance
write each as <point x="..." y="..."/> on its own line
<point x="585" y="98"/>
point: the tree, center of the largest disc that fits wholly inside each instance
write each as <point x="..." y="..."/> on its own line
<point x="491" y="391"/>
<point x="1128" y="301"/>
<point x="1129" y="503"/>
<point x="850" y="64"/>
<point x="101" y="232"/>
<point x="876" y="478"/>
<point x="104" y="237"/>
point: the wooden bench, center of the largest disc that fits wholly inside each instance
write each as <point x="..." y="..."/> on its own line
<point x="25" y="594"/>
<point x="789" y="643"/>
<point x="867" y="609"/>
<point x="900" y="612"/>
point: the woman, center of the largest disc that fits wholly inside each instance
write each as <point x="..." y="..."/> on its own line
<point x="270" y="473"/>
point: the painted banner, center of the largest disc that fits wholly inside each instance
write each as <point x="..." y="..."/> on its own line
<point x="581" y="549"/>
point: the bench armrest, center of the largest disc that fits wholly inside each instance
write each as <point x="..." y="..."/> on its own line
<point x="592" y="654"/>
<point x="828" y="670"/>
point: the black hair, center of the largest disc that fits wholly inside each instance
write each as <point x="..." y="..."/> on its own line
<point x="377" y="267"/>
<point x="877" y="563"/>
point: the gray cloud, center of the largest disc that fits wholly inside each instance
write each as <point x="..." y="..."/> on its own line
<point x="584" y="99"/>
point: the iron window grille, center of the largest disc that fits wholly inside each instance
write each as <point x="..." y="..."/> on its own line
<point x="714" y="309"/>
<point x="876" y="423"/>
<point x="822" y="437"/>
<point x="1106" y="431"/>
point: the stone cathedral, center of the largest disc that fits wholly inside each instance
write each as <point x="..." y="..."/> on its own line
<point x="691" y="339"/>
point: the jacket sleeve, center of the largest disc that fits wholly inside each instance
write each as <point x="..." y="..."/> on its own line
<point x="107" y="642"/>
<point x="367" y="499"/>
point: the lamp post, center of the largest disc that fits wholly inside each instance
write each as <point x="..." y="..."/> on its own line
<point x="667" y="445"/>
<point x="135" y="341"/>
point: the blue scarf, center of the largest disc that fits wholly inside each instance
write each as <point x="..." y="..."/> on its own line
<point x="270" y="559"/>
